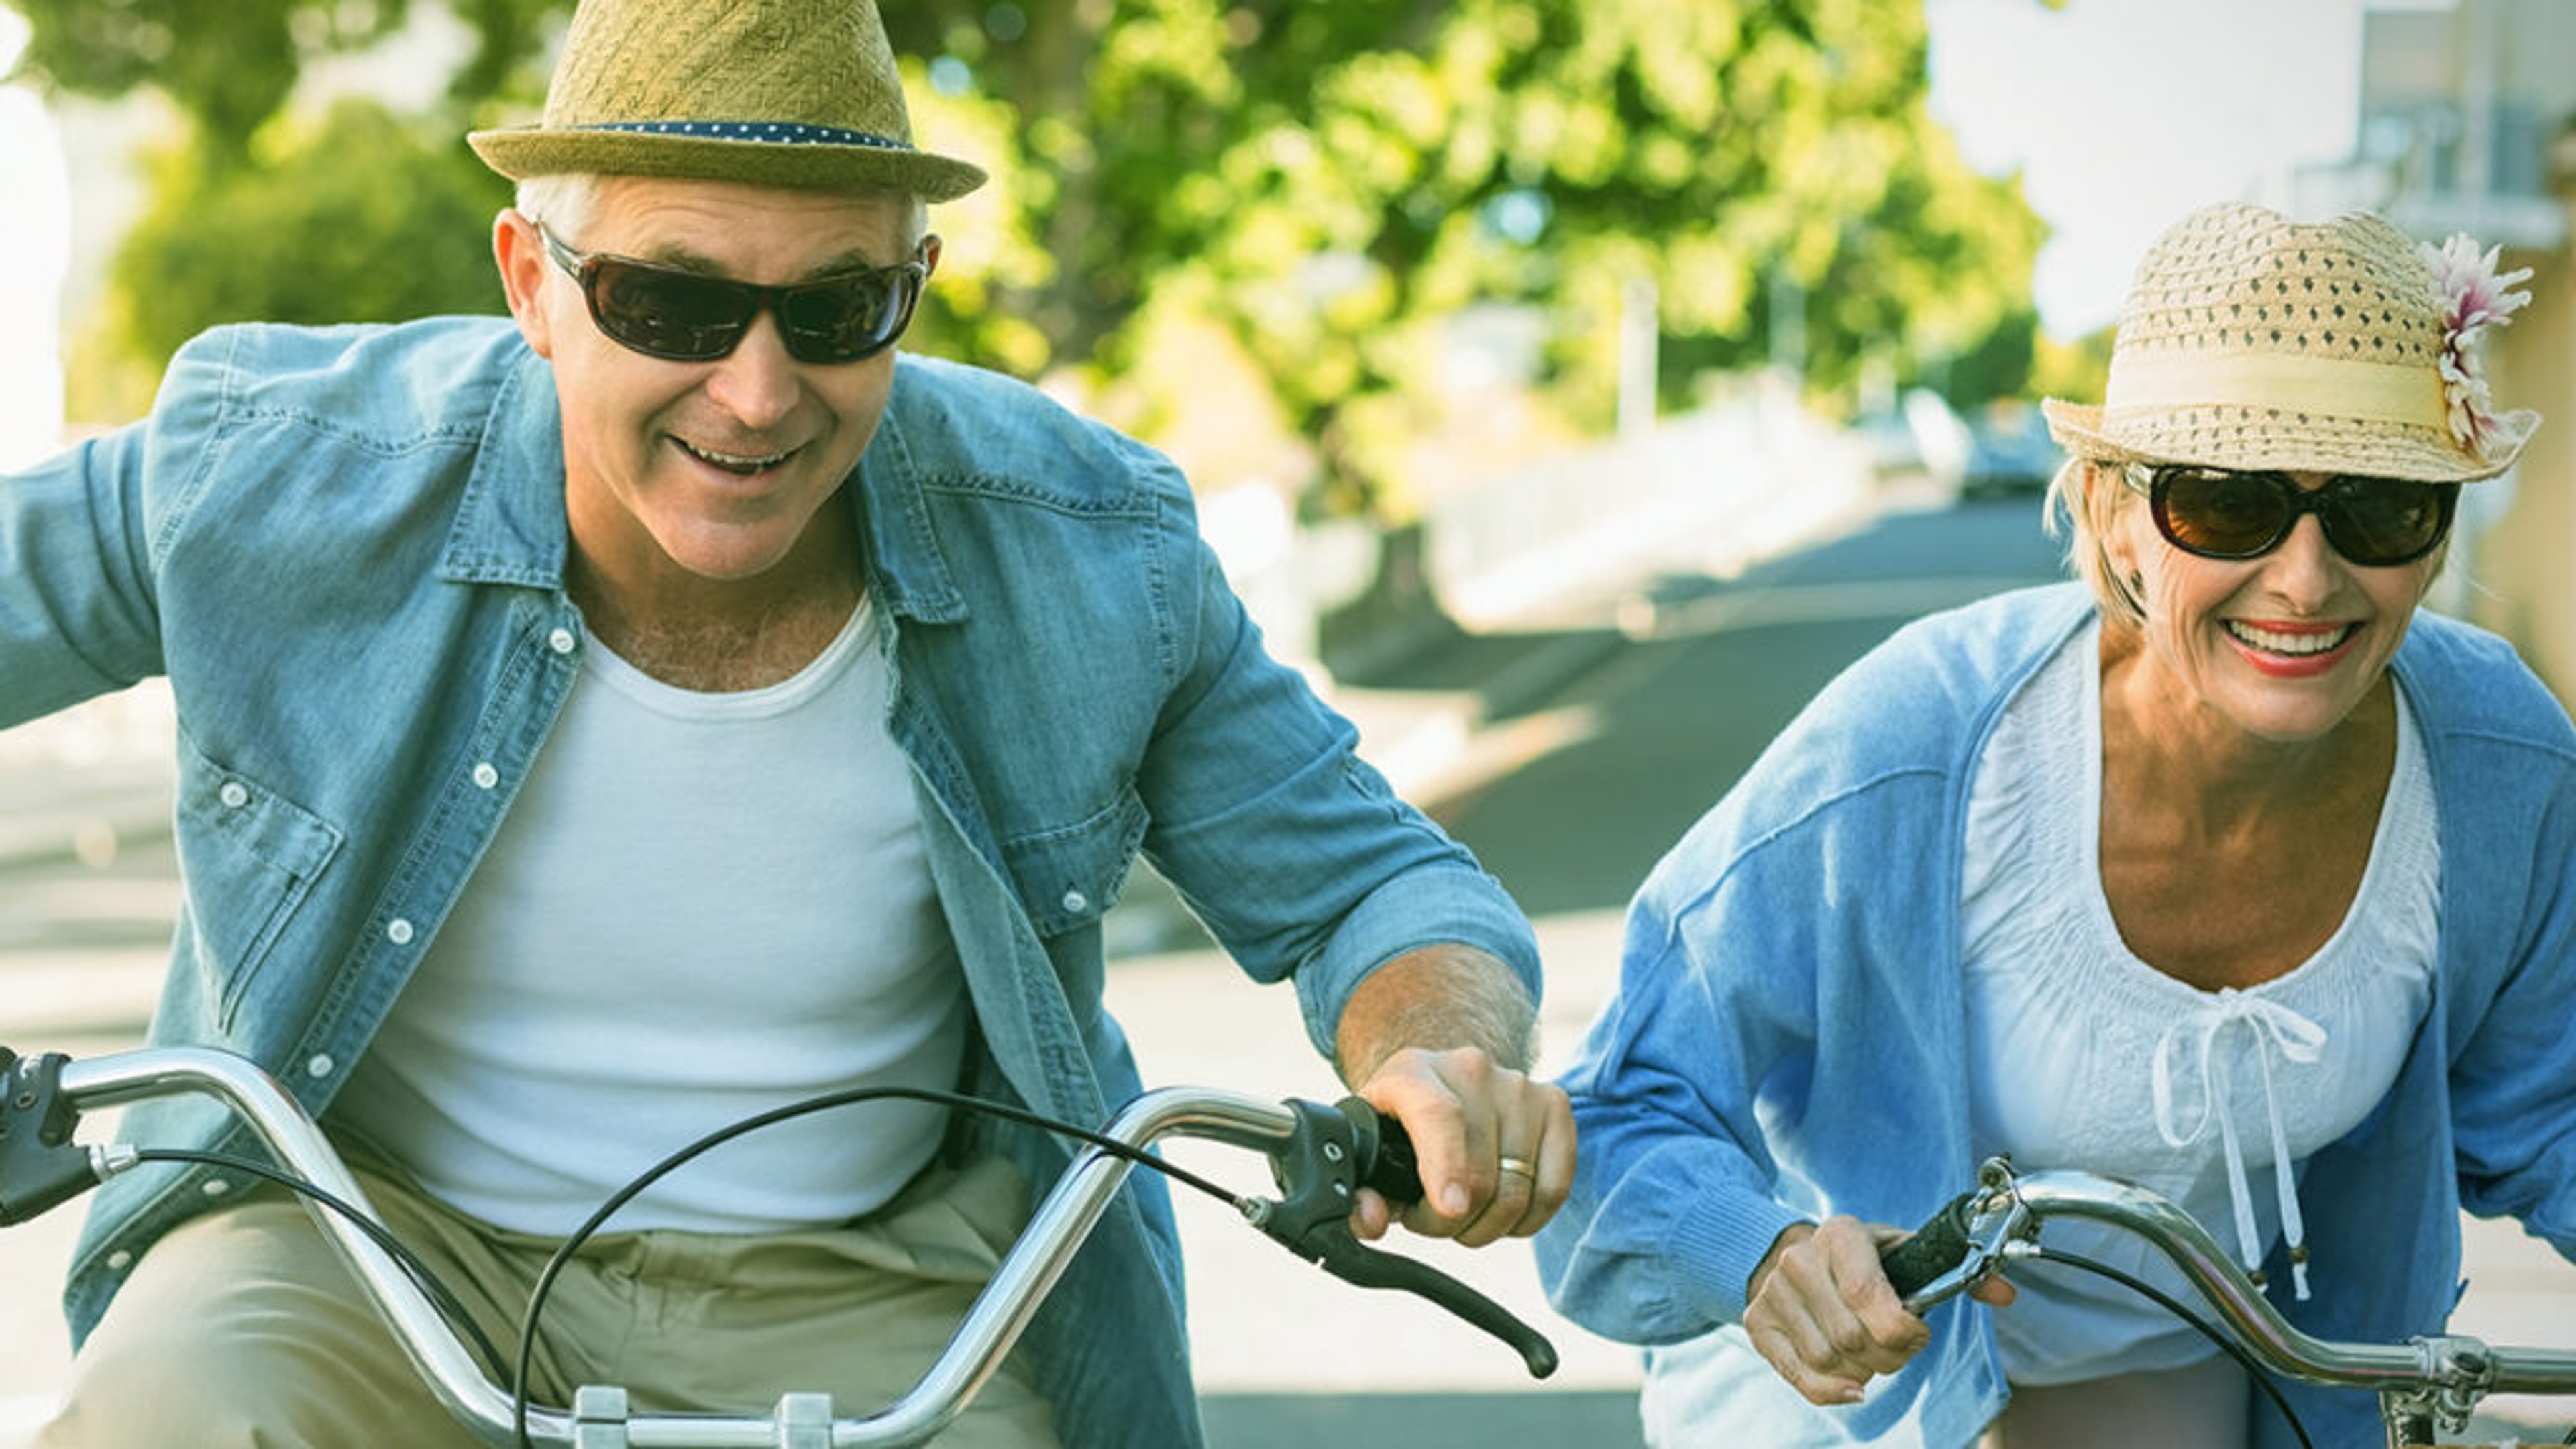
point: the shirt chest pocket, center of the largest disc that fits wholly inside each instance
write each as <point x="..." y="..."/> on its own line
<point x="1068" y="876"/>
<point x="248" y="858"/>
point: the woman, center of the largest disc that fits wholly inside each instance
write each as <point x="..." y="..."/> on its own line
<point x="2221" y="859"/>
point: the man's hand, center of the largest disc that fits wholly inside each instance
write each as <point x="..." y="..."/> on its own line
<point x="1439" y="1039"/>
<point x="1495" y="1147"/>
<point x="1825" y="1316"/>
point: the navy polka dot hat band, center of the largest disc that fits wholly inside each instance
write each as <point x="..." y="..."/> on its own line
<point x="796" y="93"/>
<point x="778" y="133"/>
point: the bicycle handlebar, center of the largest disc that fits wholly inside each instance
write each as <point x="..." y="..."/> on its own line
<point x="1319" y="1156"/>
<point x="1977" y="1233"/>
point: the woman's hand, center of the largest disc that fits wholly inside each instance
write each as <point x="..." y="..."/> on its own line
<point x="1825" y="1316"/>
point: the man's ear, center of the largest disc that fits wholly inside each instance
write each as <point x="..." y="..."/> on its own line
<point x="521" y="255"/>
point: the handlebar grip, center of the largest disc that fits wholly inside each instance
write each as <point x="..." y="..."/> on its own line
<point x="1392" y="1170"/>
<point x="1937" y="1247"/>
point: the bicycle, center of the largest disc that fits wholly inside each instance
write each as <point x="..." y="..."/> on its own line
<point x="2428" y="1386"/>
<point x="1320" y="1156"/>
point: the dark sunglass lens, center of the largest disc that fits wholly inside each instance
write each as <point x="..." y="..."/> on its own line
<point x="2381" y="521"/>
<point x="847" y="318"/>
<point x="2220" y="513"/>
<point x="668" y="313"/>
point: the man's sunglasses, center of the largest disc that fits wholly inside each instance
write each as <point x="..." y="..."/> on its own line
<point x="693" y="317"/>
<point x="2220" y="513"/>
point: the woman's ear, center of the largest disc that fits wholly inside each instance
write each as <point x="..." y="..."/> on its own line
<point x="521" y="255"/>
<point x="2114" y="525"/>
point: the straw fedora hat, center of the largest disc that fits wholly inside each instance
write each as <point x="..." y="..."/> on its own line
<point x="2250" y="341"/>
<point x="794" y="93"/>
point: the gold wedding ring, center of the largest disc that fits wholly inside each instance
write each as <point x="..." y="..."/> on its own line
<point x="1521" y="1166"/>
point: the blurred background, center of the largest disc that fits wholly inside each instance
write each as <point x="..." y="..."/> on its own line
<point x="1410" y="289"/>
<point x="1570" y="385"/>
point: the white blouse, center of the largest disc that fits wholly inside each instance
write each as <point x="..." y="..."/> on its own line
<point x="2084" y="1056"/>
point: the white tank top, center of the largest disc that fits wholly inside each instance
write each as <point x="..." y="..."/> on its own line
<point x="700" y="907"/>
<point x="2083" y="1056"/>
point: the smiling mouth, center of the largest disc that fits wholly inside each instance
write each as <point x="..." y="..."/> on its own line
<point x="2299" y="644"/>
<point x="736" y="463"/>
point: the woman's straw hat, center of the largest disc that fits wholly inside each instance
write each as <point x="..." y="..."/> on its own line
<point x="2249" y="341"/>
<point x="795" y="93"/>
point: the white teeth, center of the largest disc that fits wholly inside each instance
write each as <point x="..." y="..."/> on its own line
<point x="2273" y="641"/>
<point x="730" y="461"/>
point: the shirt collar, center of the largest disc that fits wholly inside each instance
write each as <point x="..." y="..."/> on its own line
<point x="906" y="565"/>
<point x="511" y="528"/>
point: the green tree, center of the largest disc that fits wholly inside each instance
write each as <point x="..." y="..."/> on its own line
<point x="353" y="215"/>
<point x="1335" y="181"/>
<point x="1327" y="185"/>
<point x="350" y="213"/>
<point x="231" y="66"/>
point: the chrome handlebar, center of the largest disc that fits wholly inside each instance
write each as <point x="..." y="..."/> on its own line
<point x="43" y="1167"/>
<point x="2434" y="1381"/>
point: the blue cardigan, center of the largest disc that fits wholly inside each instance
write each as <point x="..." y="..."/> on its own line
<point x="1788" y="1036"/>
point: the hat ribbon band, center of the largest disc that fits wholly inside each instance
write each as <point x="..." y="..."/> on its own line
<point x="2373" y="391"/>
<point x="776" y="133"/>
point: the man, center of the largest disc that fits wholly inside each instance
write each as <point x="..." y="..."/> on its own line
<point x="667" y="705"/>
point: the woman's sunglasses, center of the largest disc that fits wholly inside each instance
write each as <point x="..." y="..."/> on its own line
<point x="2219" y="513"/>
<point x="692" y="317"/>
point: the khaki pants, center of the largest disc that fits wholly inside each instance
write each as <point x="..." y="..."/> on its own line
<point x="242" y="1328"/>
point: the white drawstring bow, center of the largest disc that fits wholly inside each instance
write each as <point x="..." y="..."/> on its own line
<point x="2299" y="1040"/>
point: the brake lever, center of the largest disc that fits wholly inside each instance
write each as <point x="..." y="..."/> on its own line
<point x="1963" y="1244"/>
<point x="41" y="1167"/>
<point x="1331" y="1154"/>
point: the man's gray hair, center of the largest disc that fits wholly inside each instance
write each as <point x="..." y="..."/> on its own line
<point x="563" y="200"/>
<point x="566" y="200"/>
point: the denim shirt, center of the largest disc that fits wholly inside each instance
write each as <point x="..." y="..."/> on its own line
<point x="345" y="549"/>
<point x="1789" y="1035"/>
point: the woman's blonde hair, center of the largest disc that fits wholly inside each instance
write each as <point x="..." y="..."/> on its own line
<point x="2084" y="502"/>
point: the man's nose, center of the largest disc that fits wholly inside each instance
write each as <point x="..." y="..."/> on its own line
<point x="757" y="382"/>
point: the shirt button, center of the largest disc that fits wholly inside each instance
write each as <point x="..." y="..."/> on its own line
<point x="1076" y="901"/>
<point x="560" y="641"/>
<point x="216" y="1187"/>
<point x="320" y="1065"/>
<point x="234" y="794"/>
<point x="485" y="776"/>
<point x="120" y="1260"/>
<point x="399" y="932"/>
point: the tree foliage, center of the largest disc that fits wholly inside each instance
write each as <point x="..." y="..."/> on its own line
<point x="1335" y="181"/>
<point x="231" y="66"/>
<point x="1326" y="185"/>
<point x="353" y="215"/>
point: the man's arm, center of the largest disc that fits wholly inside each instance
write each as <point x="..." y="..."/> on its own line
<point x="76" y="592"/>
<point x="1442" y="1038"/>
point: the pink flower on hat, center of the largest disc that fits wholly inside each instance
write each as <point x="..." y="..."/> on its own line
<point x="2474" y="297"/>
